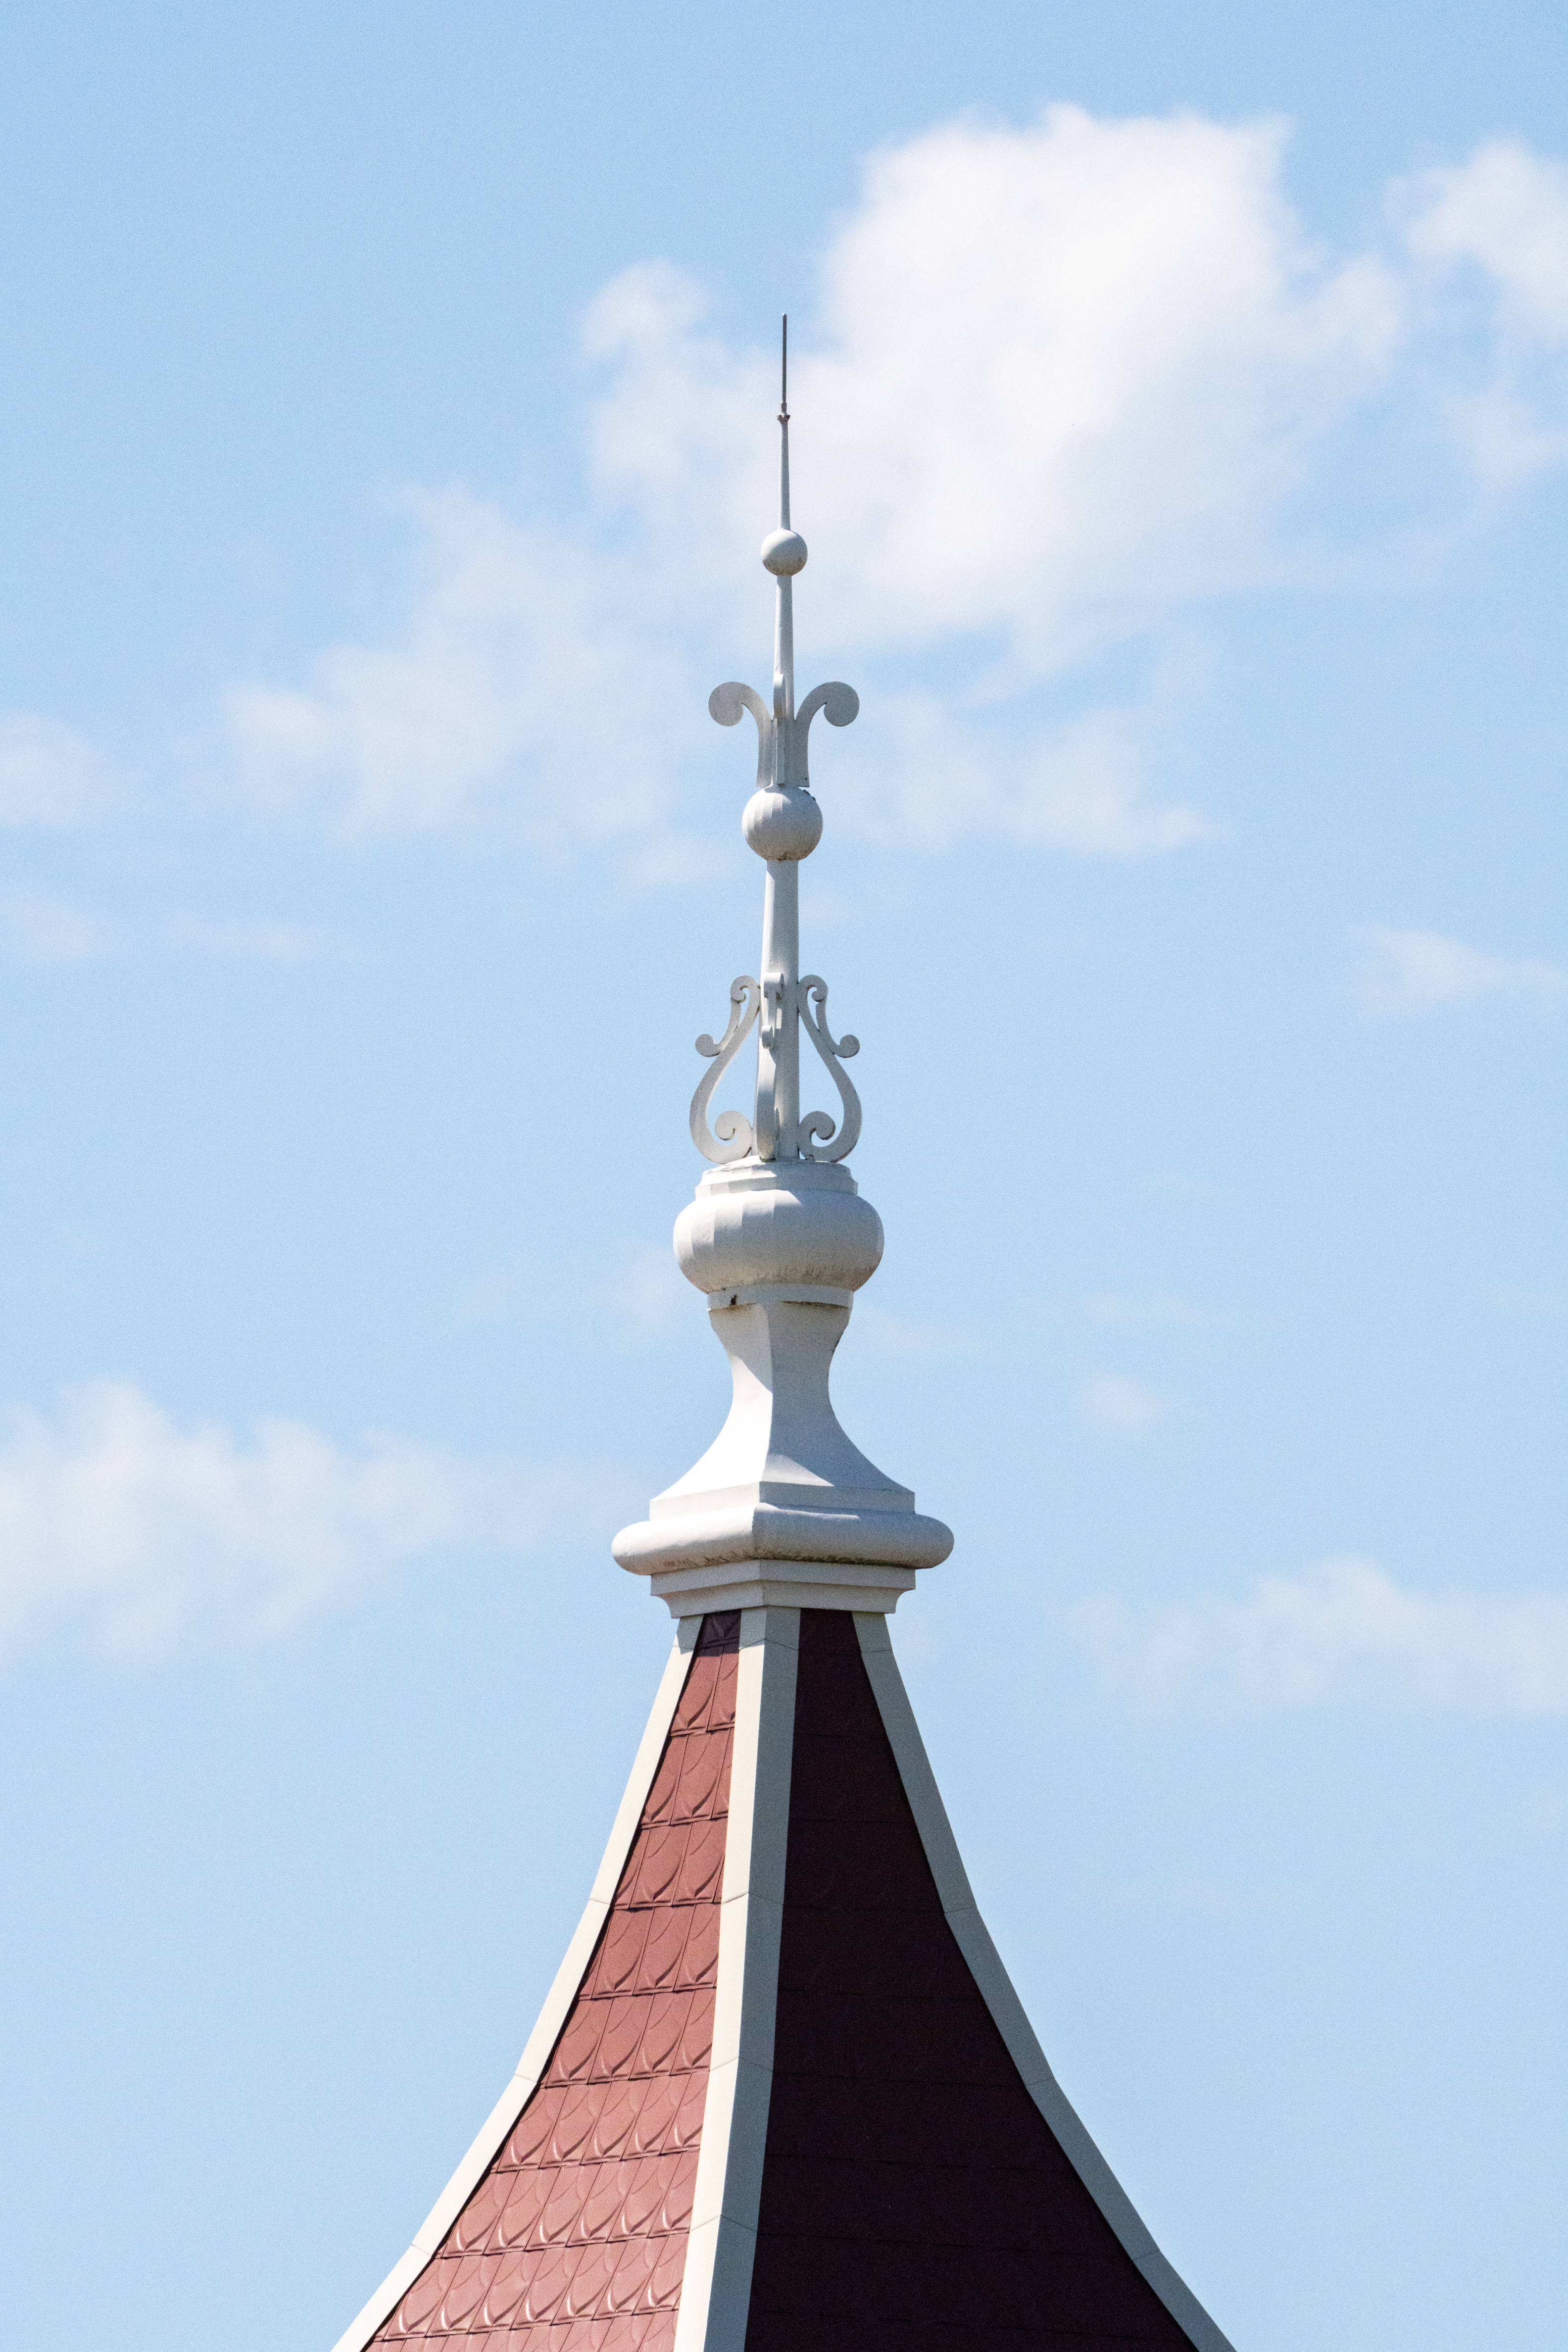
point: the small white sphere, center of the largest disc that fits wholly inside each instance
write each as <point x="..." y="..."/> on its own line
<point x="783" y="553"/>
<point x="784" y="825"/>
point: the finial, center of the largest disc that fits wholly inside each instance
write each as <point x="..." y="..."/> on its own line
<point x="783" y="823"/>
<point x="783" y="1507"/>
<point x="783" y="553"/>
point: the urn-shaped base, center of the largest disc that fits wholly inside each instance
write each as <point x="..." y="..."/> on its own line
<point x="782" y="1501"/>
<point x="797" y="1221"/>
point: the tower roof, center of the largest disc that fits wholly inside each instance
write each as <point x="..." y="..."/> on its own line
<point x="782" y="2096"/>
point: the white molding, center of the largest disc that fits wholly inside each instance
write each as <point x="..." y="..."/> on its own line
<point x="716" y="2286"/>
<point x="783" y="1584"/>
<point x="780" y="1248"/>
<point x="552" y="2017"/>
<point x="998" y="1992"/>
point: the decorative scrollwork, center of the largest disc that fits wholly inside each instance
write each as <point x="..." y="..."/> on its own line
<point x="775" y="1002"/>
<point x="817" y="1128"/>
<point x="729" y="1137"/>
<point x="780" y="738"/>
<point x="839" y="703"/>
<point x="728" y="701"/>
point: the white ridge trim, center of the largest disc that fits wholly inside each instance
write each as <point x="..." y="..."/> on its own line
<point x="716" y="2286"/>
<point x="552" y="2017"/>
<point x="996" y="1990"/>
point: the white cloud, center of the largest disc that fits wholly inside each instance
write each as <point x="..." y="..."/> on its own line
<point x="116" y="1518"/>
<point x="42" y="931"/>
<point x="47" y="932"/>
<point x="1121" y="1403"/>
<point x="534" y="678"/>
<point x="275" y="940"/>
<point x="938" y="772"/>
<point x="1420" y="972"/>
<point x="50" y="775"/>
<point x="1066" y="381"/>
<point x="1342" y="1629"/>
<point x="1491" y="236"/>
<point x="1061" y="370"/>
<point x="1505" y="212"/>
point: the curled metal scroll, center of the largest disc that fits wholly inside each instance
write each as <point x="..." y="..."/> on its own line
<point x="729" y="1137"/>
<point x="813" y="993"/>
<point x="839" y="704"/>
<point x="781" y="737"/>
<point x="726" y="703"/>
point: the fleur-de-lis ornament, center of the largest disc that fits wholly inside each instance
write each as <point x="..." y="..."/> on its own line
<point x="783" y="823"/>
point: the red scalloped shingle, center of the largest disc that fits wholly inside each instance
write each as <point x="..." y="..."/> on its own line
<point x="574" y="2241"/>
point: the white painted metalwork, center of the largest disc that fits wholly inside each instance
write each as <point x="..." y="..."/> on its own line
<point x="783" y="823"/>
<point x="783" y="1510"/>
<point x="731" y="1137"/>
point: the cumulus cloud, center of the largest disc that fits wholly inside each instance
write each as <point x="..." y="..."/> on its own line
<point x="46" y="932"/>
<point x="1406" y="972"/>
<point x="245" y="938"/>
<point x="1063" y="371"/>
<point x="50" y="775"/>
<point x="1117" y="1403"/>
<point x="1066" y="380"/>
<point x="1505" y="212"/>
<point x="1492" y="236"/>
<point x="1345" y="1629"/>
<point x="529" y="665"/>
<point x="116" y="1518"/>
<point x="934" y="771"/>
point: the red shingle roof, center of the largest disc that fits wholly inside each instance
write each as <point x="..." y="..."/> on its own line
<point x="575" y="2240"/>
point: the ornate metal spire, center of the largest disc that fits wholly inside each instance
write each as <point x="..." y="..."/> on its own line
<point x="783" y="1507"/>
<point x="783" y="823"/>
<point x="782" y="2093"/>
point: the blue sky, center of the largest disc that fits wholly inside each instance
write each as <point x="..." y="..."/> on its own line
<point x="1182" y="432"/>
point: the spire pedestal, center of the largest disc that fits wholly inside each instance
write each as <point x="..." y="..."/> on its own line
<point x="783" y="1507"/>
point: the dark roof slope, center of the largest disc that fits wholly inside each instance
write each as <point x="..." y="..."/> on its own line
<point x="914" y="2198"/>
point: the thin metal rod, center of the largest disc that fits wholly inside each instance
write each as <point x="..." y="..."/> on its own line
<point x="784" y="623"/>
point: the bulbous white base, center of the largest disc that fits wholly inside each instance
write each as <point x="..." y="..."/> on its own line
<point x="781" y="1499"/>
<point x="797" y="1221"/>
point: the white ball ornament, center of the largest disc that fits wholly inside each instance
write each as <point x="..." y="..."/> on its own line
<point x="784" y="825"/>
<point x="783" y="553"/>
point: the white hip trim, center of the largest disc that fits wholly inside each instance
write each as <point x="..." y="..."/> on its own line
<point x="996" y="1990"/>
<point x="716" y="2288"/>
<point x="552" y="2017"/>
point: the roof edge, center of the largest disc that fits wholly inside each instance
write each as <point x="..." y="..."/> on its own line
<point x="997" y="1991"/>
<point x="569" y="1976"/>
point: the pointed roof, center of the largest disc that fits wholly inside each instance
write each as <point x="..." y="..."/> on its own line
<point x="782" y="2096"/>
<point x="783" y="2092"/>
